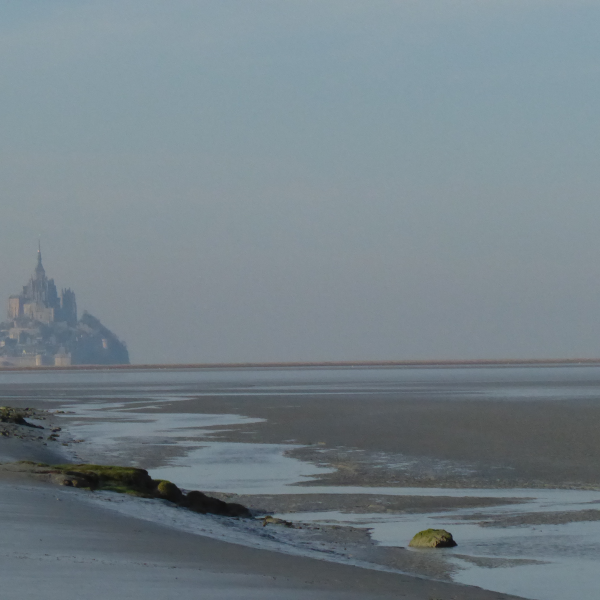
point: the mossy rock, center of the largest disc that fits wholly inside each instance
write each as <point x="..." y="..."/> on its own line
<point x="128" y="480"/>
<point x="433" y="538"/>
<point x="13" y="415"/>
<point x="168" y="491"/>
<point x="137" y="482"/>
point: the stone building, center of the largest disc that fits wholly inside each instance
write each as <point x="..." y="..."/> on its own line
<point x="40" y="302"/>
<point x="43" y="329"/>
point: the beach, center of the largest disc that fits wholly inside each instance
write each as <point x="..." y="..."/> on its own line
<point x="58" y="546"/>
<point x="357" y="460"/>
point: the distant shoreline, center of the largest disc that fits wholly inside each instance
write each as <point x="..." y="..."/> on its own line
<point x="499" y="363"/>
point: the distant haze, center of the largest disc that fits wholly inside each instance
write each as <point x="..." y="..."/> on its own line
<point x="270" y="180"/>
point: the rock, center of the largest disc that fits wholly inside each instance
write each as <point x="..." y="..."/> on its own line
<point x="201" y="503"/>
<point x="238" y="510"/>
<point x="78" y="480"/>
<point x="275" y="521"/>
<point x="169" y="491"/>
<point x="120" y="479"/>
<point x="137" y="482"/>
<point x="433" y="538"/>
<point x="11" y="415"/>
<point x="17" y="416"/>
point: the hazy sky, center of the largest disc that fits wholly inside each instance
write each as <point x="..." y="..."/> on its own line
<point x="249" y="180"/>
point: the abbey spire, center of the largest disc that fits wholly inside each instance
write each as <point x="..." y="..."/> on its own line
<point x="39" y="269"/>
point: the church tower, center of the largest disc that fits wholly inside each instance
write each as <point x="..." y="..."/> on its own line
<point x="40" y="272"/>
<point x="39" y="300"/>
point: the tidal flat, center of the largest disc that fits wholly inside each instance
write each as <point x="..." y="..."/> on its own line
<point x="358" y="461"/>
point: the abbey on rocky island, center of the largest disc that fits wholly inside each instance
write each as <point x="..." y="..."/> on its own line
<point x="43" y="329"/>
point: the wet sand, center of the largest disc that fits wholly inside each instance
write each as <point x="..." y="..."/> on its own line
<point x="359" y="503"/>
<point x="440" y="433"/>
<point x="436" y="431"/>
<point x="56" y="543"/>
<point x="409" y="439"/>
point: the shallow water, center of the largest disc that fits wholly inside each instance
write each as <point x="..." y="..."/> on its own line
<point x="115" y="432"/>
<point x="117" y="415"/>
<point x="566" y="556"/>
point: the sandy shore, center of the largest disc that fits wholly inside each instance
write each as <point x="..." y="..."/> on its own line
<point x="57" y="544"/>
<point x="377" y="434"/>
<point x="437" y="429"/>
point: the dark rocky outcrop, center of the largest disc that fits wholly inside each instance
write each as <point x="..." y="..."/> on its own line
<point x="137" y="482"/>
<point x="87" y="342"/>
<point x="16" y="416"/>
<point x="201" y="503"/>
<point x="94" y="477"/>
<point x="95" y="344"/>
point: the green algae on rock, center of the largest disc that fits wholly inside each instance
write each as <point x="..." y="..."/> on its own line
<point x="169" y="491"/>
<point x="17" y="416"/>
<point x="433" y="538"/>
<point x="137" y="482"/>
<point x="127" y="480"/>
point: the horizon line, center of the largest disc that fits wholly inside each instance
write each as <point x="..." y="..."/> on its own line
<point x="506" y="362"/>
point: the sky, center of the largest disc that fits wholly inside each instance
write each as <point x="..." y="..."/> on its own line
<point x="308" y="180"/>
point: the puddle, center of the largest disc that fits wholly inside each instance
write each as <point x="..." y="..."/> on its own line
<point x="238" y="468"/>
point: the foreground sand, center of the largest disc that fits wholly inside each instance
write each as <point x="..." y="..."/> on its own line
<point x="444" y="434"/>
<point x="55" y="545"/>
